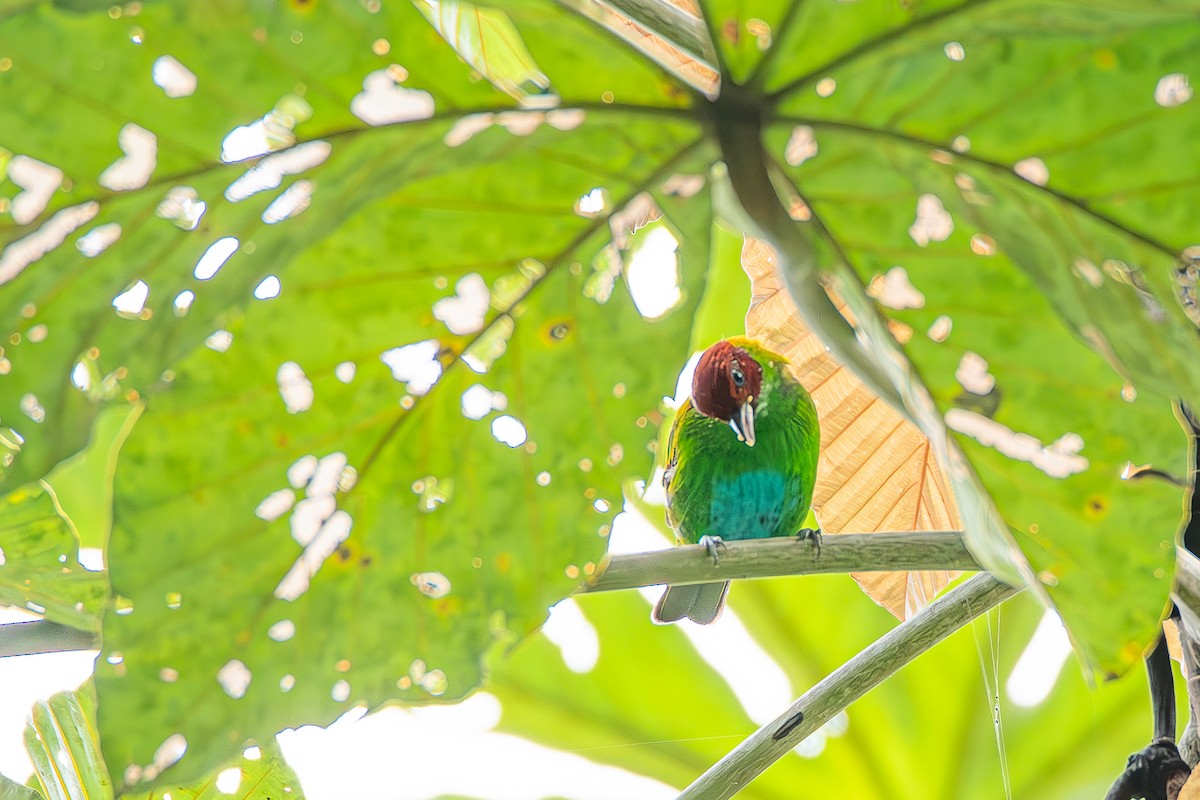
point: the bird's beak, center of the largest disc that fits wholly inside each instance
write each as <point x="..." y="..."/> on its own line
<point x="743" y="423"/>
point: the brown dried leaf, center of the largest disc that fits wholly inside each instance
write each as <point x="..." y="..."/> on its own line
<point x="877" y="472"/>
<point x="1191" y="789"/>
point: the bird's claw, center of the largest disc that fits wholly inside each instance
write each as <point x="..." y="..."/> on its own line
<point x="713" y="545"/>
<point x="814" y="535"/>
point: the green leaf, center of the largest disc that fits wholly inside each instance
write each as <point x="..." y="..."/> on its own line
<point x="262" y="774"/>
<point x="11" y="790"/>
<point x="83" y="483"/>
<point x="487" y="40"/>
<point x="417" y="464"/>
<point x="40" y="570"/>
<point x="61" y="741"/>
<point x="333" y="55"/>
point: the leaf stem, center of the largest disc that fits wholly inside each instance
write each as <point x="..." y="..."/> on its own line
<point x="846" y="684"/>
<point x="42" y="636"/>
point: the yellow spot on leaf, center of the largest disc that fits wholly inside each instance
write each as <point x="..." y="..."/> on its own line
<point x="1096" y="507"/>
<point x="556" y="330"/>
<point x="448" y="605"/>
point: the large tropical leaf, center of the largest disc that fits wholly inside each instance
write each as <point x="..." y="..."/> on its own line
<point x="408" y="267"/>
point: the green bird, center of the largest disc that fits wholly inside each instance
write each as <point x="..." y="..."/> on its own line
<point x="741" y="462"/>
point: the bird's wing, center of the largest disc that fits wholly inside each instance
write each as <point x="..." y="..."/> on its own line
<point x="671" y="457"/>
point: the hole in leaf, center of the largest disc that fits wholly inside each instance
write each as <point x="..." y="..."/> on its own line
<point x="294" y="387"/>
<point x="23" y="252"/>
<point x="1058" y="460"/>
<point x="275" y="505"/>
<point x="1172" y="90"/>
<point x="215" y="257"/>
<point x="219" y="341"/>
<point x="183" y="207"/>
<point x="972" y="374"/>
<point x="183" y="301"/>
<point x="894" y="290"/>
<point x="290" y="203"/>
<point x="383" y="101"/>
<point x="509" y="431"/>
<point x="229" y="780"/>
<point x="133" y="169"/>
<point x="282" y="631"/>
<point x="38" y="181"/>
<point x="801" y="145"/>
<point x="464" y="312"/>
<point x="173" y="77"/>
<point x="235" y="679"/>
<point x="131" y="301"/>
<point x="433" y="585"/>
<point x="478" y="401"/>
<point x="270" y="172"/>
<point x="98" y="239"/>
<point x="1033" y="169"/>
<point x="416" y="364"/>
<point x="933" y="223"/>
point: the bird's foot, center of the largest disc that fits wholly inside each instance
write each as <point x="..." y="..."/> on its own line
<point x="814" y="535"/>
<point x="713" y="545"/>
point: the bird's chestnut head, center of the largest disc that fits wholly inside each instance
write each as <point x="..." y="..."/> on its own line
<point x="725" y="386"/>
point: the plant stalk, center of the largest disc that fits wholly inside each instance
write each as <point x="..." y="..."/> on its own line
<point x="42" y="636"/>
<point x="846" y="684"/>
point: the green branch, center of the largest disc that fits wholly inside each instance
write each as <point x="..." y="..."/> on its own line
<point x="776" y="557"/>
<point x="846" y="684"/>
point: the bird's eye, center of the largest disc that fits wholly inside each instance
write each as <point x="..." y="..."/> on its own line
<point x="738" y="378"/>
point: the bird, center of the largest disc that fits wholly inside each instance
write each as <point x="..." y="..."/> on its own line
<point x="740" y="463"/>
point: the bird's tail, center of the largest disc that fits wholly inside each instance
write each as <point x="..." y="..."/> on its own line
<point x="700" y="602"/>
